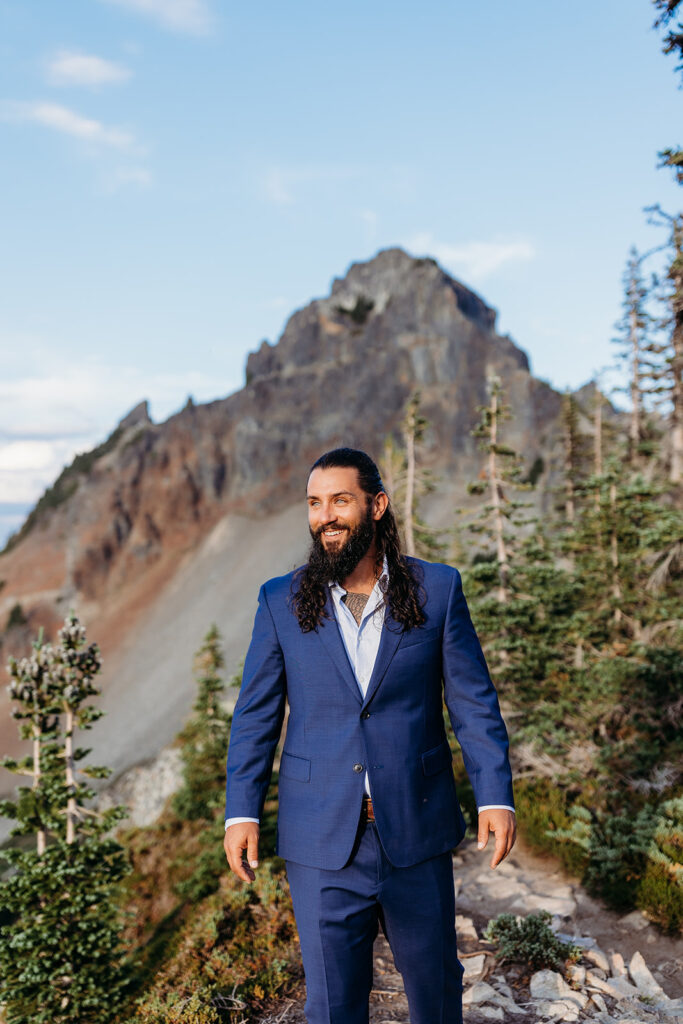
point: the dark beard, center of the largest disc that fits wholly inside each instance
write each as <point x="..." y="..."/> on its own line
<point x="325" y="566"/>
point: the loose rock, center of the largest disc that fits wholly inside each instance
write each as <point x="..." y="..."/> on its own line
<point x="549" y="985"/>
<point x="598" y="1001"/>
<point x="617" y="988"/>
<point x="474" y="967"/>
<point x="597" y="957"/>
<point x="480" y="992"/>
<point x="643" y="979"/>
<point x="617" y="965"/>
<point x="533" y="903"/>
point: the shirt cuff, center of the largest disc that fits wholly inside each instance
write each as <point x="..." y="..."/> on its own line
<point x="236" y="821"/>
<point x="495" y="807"/>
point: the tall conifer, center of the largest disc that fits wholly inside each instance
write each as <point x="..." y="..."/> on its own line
<point x="61" y="960"/>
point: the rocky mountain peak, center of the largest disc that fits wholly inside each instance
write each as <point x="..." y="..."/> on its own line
<point x="394" y="273"/>
<point x="379" y="303"/>
<point x="138" y="416"/>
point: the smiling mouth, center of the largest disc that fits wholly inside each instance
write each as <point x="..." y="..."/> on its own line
<point x="332" y="533"/>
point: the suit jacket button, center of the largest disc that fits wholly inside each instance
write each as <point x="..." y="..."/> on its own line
<point x="358" y="767"/>
<point x="365" y="714"/>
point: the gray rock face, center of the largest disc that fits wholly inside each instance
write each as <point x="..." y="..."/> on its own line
<point x="145" y="788"/>
<point x="349" y="362"/>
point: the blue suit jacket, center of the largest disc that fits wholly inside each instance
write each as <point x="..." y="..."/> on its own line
<point x="397" y="732"/>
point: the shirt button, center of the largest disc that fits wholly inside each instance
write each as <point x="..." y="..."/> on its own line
<point x="365" y="714"/>
<point x="358" y="767"/>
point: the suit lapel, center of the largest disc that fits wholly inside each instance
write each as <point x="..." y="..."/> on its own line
<point x="392" y="634"/>
<point x="331" y="638"/>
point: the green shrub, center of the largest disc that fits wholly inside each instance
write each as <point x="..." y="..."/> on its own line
<point x="16" y="616"/>
<point x="661" y="897"/>
<point x="358" y="312"/>
<point x="175" y="1009"/>
<point x="529" y="941"/>
<point x="541" y="812"/>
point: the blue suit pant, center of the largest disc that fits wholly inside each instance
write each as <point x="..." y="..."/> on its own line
<point x="338" y="914"/>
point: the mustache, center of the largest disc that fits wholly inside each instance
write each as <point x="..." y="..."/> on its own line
<point x="329" y="526"/>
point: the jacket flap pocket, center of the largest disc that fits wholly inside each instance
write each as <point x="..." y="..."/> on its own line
<point x="419" y="636"/>
<point x="294" y="767"/>
<point x="436" y="759"/>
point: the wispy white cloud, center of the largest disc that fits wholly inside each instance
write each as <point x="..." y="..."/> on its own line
<point x="122" y="177"/>
<point x="48" y="417"/>
<point x="473" y="260"/>
<point x="278" y="302"/>
<point x="282" y="185"/>
<point x="277" y="187"/>
<point x="370" y="220"/>
<point x="192" y="16"/>
<point x="71" y="68"/>
<point x="68" y="122"/>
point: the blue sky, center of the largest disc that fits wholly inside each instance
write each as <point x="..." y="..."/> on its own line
<point x="178" y="176"/>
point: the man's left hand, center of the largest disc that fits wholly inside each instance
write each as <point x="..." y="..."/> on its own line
<point x="502" y="824"/>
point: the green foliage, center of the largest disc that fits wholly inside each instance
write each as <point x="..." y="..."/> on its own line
<point x="175" y="1009"/>
<point x="359" y="312"/>
<point x="661" y="897"/>
<point x="633" y="858"/>
<point x="61" y="957"/>
<point x="204" y="740"/>
<point x="408" y="481"/>
<point x="581" y="622"/>
<point x="542" y="810"/>
<point x="233" y="949"/>
<point x="16" y="616"/>
<point x="671" y="43"/>
<point x="529" y="940"/>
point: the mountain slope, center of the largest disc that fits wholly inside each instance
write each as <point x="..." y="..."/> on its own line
<point x="169" y="526"/>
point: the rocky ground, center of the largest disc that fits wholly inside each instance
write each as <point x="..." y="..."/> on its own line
<point x="628" y="972"/>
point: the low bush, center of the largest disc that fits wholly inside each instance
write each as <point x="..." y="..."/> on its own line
<point x="529" y="940"/>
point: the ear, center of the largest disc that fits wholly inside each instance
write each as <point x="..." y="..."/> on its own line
<point x="379" y="505"/>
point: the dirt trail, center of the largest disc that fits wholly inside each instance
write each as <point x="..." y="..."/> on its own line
<point x="523" y="884"/>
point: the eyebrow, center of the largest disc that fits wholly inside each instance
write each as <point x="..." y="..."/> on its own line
<point x="310" y="497"/>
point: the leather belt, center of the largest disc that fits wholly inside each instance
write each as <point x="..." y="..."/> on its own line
<point x="367" y="812"/>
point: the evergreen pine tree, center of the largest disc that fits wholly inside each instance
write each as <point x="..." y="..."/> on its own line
<point x="502" y="605"/>
<point x="667" y="370"/>
<point x="204" y="739"/>
<point x="672" y="43"/>
<point x="408" y="481"/>
<point x="60" y="955"/>
<point x="638" y="352"/>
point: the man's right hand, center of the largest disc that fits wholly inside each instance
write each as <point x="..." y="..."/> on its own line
<point x="238" y="838"/>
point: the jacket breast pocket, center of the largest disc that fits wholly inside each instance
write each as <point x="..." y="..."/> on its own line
<point x="293" y="767"/>
<point x="436" y="759"/>
<point x="419" y="636"/>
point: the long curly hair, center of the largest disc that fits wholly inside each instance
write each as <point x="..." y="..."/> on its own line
<point x="404" y="594"/>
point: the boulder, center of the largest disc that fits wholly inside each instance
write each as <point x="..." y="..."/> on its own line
<point x="474" y="967"/>
<point x="551" y="986"/>
<point x="597" y="957"/>
<point x="617" y="965"/>
<point x="617" y="988"/>
<point x="479" y="993"/>
<point x="553" y="904"/>
<point x="643" y="980"/>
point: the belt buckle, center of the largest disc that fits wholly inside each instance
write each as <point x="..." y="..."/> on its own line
<point x="368" y="811"/>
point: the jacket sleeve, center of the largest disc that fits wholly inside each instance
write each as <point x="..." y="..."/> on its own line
<point x="257" y="719"/>
<point x="473" y="706"/>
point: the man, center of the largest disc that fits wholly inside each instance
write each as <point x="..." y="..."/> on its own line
<point x="365" y="644"/>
